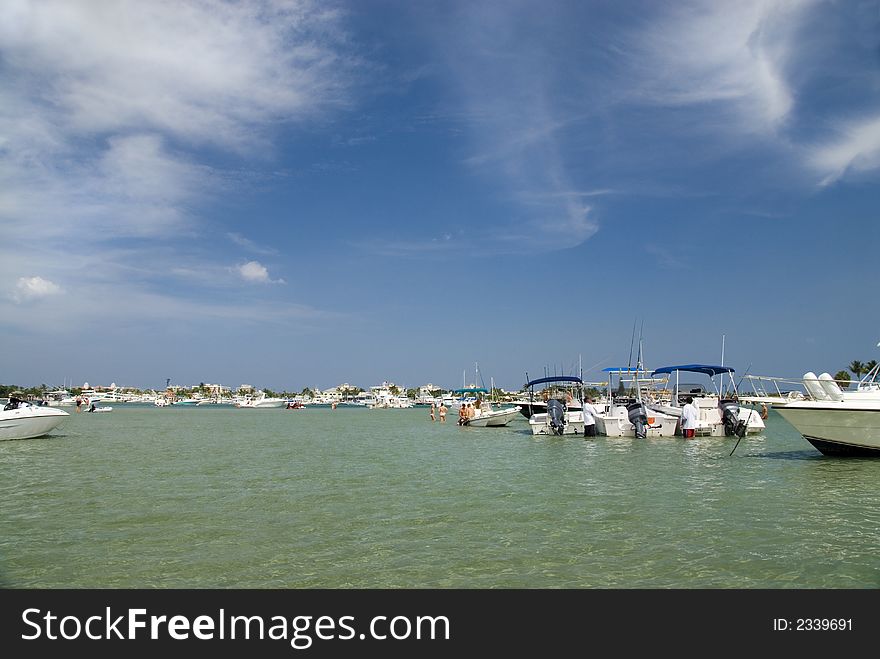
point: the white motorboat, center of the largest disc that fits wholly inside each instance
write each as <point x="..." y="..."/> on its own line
<point x="261" y="401"/>
<point x="487" y="417"/>
<point x="464" y="396"/>
<point x="565" y="414"/>
<point x="570" y="422"/>
<point x="711" y="417"/>
<point x="623" y="416"/>
<point x="837" y="427"/>
<point x="716" y="416"/>
<point x="838" y="421"/>
<point x="21" y="420"/>
<point x="57" y="398"/>
<point x="634" y="420"/>
<point x="388" y="396"/>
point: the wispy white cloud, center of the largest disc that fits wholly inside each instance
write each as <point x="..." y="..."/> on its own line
<point x="85" y="308"/>
<point x="256" y="272"/>
<point x="733" y="54"/>
<point x="752" y="70"/>
<point x="548" y="226"/>
<point x="508" y="84"/>
<point x="857" y="148"/>
<point x="31" y="288"/>
<point x="110" y="111"/>
<point x="664" y="256"/>
<point x="133" y="187"/>
<point x="249" y="245"/>
<point x="208" y="72"/>
<point x="570" y="194"/>
<point x="93" y="93"/>
<point x="434" y="247"/>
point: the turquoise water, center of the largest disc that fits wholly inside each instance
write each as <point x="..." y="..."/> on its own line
<point x="356" y="498"/>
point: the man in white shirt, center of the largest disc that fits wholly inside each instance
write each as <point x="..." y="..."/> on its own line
<point x="590" y="413"/>
<point x="689" y="416"/>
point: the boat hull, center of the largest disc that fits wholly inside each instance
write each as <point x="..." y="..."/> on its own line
<point x="837" y="449"/>
<point x="494" y="419"/>
<point x="269" y="403"/>
<point x="617" y="424"/>
<point x="614" y="427"/>
<point x="710" y="423"/>
<point x="29" y="422"/>
<point x="574" y="424"/>
<point x="837" y="429"/>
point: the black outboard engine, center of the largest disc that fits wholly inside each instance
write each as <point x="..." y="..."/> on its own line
<point x="556" y="416"/>
<point x="639" y="418"/>
<point x="733" y="425"/>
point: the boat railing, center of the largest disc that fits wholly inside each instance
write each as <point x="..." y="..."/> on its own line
<point x="771" y="386"/>
<point x="870" y="381"/>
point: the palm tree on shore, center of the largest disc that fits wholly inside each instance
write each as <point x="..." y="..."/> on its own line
<point x="842" y="378"/>
<point x="857" y="368"/>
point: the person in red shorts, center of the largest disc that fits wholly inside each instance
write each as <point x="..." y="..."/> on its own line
<point x="689" y="418"/>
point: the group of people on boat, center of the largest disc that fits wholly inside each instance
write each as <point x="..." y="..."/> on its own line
<point x="14" y="403"/>
<point x="468" y="411"/>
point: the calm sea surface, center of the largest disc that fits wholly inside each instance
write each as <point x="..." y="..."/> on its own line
<point x="214" y="496"/>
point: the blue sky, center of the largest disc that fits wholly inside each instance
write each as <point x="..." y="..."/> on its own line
<point x="293" y="194"/>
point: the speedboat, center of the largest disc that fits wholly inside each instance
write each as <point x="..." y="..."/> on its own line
<point x="634" y="420"/>
<point x="466" y="395"/>
<point x="565" y="414"/>
<point x="487" y="417"/>
<point x="261" y="401"/>
<point x="837" y="427"/>
<point x="716" y="416"/>
<point x="625" y="415"/>
<point x="21" y="420"/>
<point x="837" y="421"/>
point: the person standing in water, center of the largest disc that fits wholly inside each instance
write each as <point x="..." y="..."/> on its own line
<point x="590" y="413"/>
<point x="689" y="419"/>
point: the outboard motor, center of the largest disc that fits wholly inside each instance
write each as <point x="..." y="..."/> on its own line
<point x="639" y="418"/>
<point x="556" y="416"/>
<point x="733" y="425"/>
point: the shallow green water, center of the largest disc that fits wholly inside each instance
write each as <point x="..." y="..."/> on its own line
<point x="357" y="498"/>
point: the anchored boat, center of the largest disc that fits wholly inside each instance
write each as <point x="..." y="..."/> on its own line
<point x="22" y="420"/>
